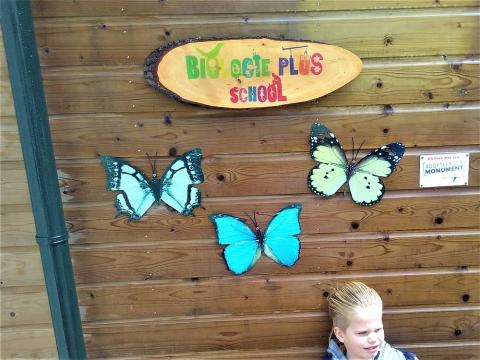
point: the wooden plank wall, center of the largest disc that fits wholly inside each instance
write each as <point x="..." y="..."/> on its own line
<point x="158" y="288"/>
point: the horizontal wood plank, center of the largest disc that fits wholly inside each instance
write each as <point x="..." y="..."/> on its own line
<point x="399" y="210"/>
<point x="21" y="266"/>
<point x="96" y="89"/>
<point x="276" y="174"/>
<point x="285" y="174"/>
<point x="265" y="332"/>
<point x="18" y="227"/>
<point x="65" y="8"/>
<point x="28" y="342"/>
<point x="459" y="350"/>
<point x="241" y="175"/>
<point x="451" y="350"/>
<point x="7" y="107"/>
<point x="268" y="294"/>
<point x="13" y="183"/>
<point x="10" y="148"/>
<point x="6" y="100"/>
<point x="347" y="253"/>
<point x="122" y="40"/>
<point x="304" y="353"/>
<point x="132" y="135"/>
<point x="25" y="305"/>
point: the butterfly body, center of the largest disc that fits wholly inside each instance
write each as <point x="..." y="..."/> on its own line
<point x="138" y="193"/>
<point x="259" y="236"/>
<point x="244" y="247"/>
<point x="362" y="178"/>
<point x="351" y="169"/>
<point x="155" y="186"/>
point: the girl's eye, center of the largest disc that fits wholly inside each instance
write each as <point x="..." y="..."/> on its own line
<point x="363" y="333"/>
<point x="378" y="330"/>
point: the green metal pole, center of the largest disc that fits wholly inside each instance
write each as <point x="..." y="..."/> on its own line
<point x="33" y="126"/>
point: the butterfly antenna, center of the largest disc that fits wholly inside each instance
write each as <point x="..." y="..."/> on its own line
<point x="150" y="162"/>
<point x="263" y="213"/>
<point x="255" y="223"/>
<point x="358" y="150"/>
<point x="251" y="219"/>
<point x="353" y="150"/>
<point x="154" y="168"/>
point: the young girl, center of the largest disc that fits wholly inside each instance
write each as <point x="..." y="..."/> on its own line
<point x="357" y="334"/>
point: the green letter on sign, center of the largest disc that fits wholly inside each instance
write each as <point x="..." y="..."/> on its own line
<point x="192" y="67"/>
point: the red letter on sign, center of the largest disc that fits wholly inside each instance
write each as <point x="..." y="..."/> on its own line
<point x="278" y="82"/>
<point x="233" y="95"/>
<point x="317" y="65"/>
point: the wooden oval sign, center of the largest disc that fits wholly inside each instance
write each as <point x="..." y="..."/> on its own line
<point x="249" y="73"/>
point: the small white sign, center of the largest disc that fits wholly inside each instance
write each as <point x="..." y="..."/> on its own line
<point x="449" y="169"/>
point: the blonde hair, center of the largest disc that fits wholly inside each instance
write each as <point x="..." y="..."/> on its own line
<point x="348" y="299"/>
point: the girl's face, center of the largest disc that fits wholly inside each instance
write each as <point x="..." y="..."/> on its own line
<point x="364" y="334"/>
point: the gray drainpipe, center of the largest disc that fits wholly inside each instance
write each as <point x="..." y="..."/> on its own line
<point x="32" y="118"/>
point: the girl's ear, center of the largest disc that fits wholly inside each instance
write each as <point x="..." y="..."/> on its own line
<point x="339" y="333"/>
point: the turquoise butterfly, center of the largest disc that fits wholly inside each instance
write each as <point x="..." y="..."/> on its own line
<point x="362" y="178"/>
<point x="138" y="193"/>
<point x="244" y="246"/>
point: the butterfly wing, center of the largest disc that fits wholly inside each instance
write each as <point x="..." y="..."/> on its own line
<point x="327" y="177"/>
<point x="243" y="249"/>
<point x="241" y="256"/>
<point x="324" y="146"/>
<point x="136" y="195"/>
<point x="365" y="184"/>
<point x="178" y="180"/>
<point x="281" y="243"/>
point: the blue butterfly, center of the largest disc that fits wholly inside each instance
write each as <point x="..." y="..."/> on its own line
<point x="362" y="178"/>
<point x="244" y="246"/>
<point x="138" y="193"/>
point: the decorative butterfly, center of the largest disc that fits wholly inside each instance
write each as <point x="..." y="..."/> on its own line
<point x="138" y="193"/>
<point x="244" y="246"/>
<point x="362" y="178"/>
